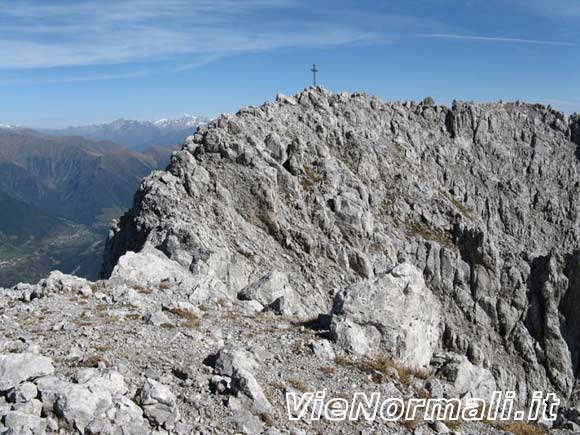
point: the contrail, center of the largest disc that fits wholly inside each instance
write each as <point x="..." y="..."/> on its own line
<point x="497" y="39"/>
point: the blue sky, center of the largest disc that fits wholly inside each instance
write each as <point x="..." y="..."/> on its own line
<point x="85" y="61"/>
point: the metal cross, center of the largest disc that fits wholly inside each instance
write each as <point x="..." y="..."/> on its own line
<point x="314" y="71"/>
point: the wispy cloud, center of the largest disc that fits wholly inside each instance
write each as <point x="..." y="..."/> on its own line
<point x="498" y="39"/>
<point x="39" y="34"/>
<point x="72" y="78"/>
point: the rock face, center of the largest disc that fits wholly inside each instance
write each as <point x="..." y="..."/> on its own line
<point x="337" y="189"/>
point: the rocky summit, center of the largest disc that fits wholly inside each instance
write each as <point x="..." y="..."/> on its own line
<point x="319" y="242"/>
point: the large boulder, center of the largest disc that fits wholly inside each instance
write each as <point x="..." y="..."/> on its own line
<point x="19" y="367"/>
<point x="80" y="405"/>
<point x="159" y="404"/>
<point x="468" y="379"/>
<point x="238" y="366"/>
<point x="124" y="417"/>
<point x="213" y="276"/>
<point x="395" y="312"/>
<point x="23" y="423"/>
<point x="149" y="267"/>
<point x="231" y="358"/>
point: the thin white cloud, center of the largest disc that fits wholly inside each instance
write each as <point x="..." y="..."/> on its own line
<point x="73" y="78"/>
<point x="498" y="39"/>
<point x="38" y="34"/>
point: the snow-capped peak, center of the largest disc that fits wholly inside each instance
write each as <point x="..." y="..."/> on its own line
<point x="185" y="121"/>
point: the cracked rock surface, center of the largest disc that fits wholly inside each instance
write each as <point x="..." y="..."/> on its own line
<point x="319" y="241"/>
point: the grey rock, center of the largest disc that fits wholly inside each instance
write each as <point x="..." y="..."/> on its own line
<point x="5" y="407"/>
<point x="323" y="350"/>
<point x="157" y="318"/>
<point x="32" y="407"/>
<point x="349" y="336"/>
<point x="273" y="290"/>
<point x="459" y="192"/>
<point x="60" y="282"/>
<point x="79" y="405"/>
<point x="19" y="423"/>
<point x="23" y="393"/>
<point x="467" y="379"/>
<point x="159" y="404"/>
<point x="17" y="368"/>
<point x="434" y="388"/>
<point x="124" y="417"/>
<point x="411" y="326"/>
<point x="232" y="358"/>
<point x="49" y="389"/>
<point x="244" y="383"/>
<point x="239" y="365"/>
<point x="439" y="427"/>
<point x="247" y="423"/>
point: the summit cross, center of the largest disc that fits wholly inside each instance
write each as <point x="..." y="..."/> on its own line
<point x="314" y="71"/>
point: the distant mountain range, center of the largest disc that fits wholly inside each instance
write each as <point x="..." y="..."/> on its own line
<point x="137" y="135"/>
<point x="58" y="195"/>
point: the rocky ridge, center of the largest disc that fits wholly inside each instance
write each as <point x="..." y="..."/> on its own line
<point x="339" y="189"/>
<point x="320" y="241"/>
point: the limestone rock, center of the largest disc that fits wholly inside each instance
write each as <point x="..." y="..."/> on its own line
<point x="337" y="191"/>
<point x="22" y="423"/>
<point x="396" y="307"/>
<point x="79" y="405"/>
<point x="232" y="358"/>
<point x="273" y="288"/>
<point x="468" y="379"/>
<point x="16" y="368"/>
<point x="124" y="417"/>
<point x="158" y="403"/>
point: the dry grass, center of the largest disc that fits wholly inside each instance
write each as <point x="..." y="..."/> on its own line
<point x="465" y="211"/>
<point x="298" y="347"/>
<point x="423" y="393"/>
<point x="329" y="370"/>
<point x="521" y="428"/>
<point x="92" y="361"/>
<point x="515" y="427"/>
<point x="454" y="425"/>
<point x="167" y="326"/>
<point x="381" y="367"/>
<point x="164" y="286"/>
<point x="416" y="228"/>
<point x="311" y="177"/>
<point x="278" y="385"/>
<point x="414" y="422"/>
<point x="141" y="289"/>
<point x="81" y="323"/>
<point x="134" y="316"/>
<point x="190" y="319"/>
<point x="298" y="384"/>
